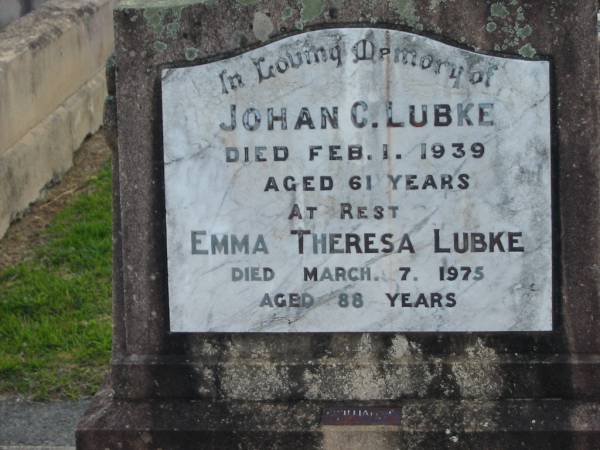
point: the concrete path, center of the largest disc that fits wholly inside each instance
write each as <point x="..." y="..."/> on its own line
<point x="40" y="426"/>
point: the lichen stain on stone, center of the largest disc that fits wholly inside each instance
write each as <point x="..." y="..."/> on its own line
<point x="491" y="27"/>
<point x="247" y="2"/>
<point x="191" y="53"/>
<point x="499" y="10"/>
<point x="401" y="347"/>
<point x="165" y="23"/>
<point x="159" y="46"/>
<point x="311" y="379"/>
<point x="262" y="27"/>
<point x="173" y="29"/>
<point x="208" y="348"/>
<point x="510" y="19"/>
<point x="369" y="5"/>
<point x="257" y="382"/>
<point x="435" y="4"/>
<point x="527" y="51"/>
<point x="287" y="13"/>
<point x="477" y="374"/>
<point x="203" y="389"/>
<point x="523" y="32"/>
<point x="259" y="350"/>
<point x="311" y="9"/>
<point x="365" y="345"/>
<point x="407" y="12"/>
<point x="403" y="372"/>
<point x="328" y="382"/>
<point x="154" y="19"/>
<point x="411" y="379"/>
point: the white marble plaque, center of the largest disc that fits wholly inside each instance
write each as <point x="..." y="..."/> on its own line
<point x="358" y="179"/>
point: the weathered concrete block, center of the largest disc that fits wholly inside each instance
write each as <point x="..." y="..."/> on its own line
<point x="45" y="153"/>
<point x="45" y="57"/>
<point x="52" y="94"/>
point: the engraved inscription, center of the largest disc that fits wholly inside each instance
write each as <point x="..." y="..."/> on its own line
<point x="358" y="179"/>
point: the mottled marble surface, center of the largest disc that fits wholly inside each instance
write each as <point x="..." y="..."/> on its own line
<point x="504" y="189"/>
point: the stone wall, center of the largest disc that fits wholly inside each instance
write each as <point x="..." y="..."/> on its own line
<point x="52" y="86"/>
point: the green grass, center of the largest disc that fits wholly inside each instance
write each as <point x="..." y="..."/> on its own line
<point x="55" y="310"/>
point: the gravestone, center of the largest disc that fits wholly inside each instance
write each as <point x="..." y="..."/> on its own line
<point x="354" y="225"/>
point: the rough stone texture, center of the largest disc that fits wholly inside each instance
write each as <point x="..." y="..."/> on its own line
<point x="427" y="375"/>
<point x="45" y="153"/>
<point x="45" y="57"/>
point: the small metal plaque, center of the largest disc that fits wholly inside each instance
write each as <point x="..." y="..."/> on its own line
<point x="348" y="416"/>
